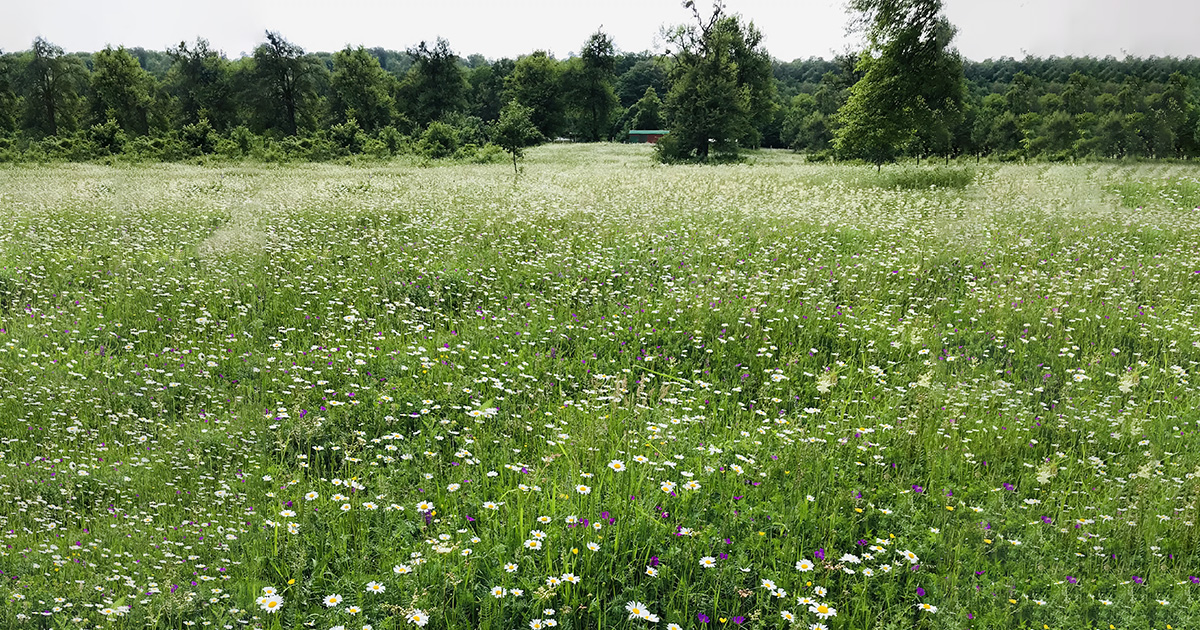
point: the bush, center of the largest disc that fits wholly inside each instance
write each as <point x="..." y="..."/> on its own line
<point x="314" y="148"/>
<point x="107" y="137"/>
<point x="391" y="142"/>
<point x="199" y="137"/>
<point x="921" y="178"/>
<point x="669" y="150"/>
<point x="143" y="148"/>
<point x="74" y="148"/>
<point x="270" y="151"/>
<point x="440" y="140"/>
<point x="347" y="138"/>
<point x="489" y="154"/>
<point x="10" y="151"/>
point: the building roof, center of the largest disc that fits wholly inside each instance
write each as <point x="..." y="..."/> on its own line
<point x="647" y="132"/>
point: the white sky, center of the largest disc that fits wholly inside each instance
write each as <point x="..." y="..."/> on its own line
<point x="497" y="28"/>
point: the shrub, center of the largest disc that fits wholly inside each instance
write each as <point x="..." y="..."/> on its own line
<point x="107" y="137"/>
<point x="440" y="140"/>
<point x="199" y="137"/>
<point x="347" y="138"/>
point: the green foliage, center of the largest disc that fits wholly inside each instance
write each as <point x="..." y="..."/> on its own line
<point x="435" y="86"/>
<point x="644" y="74"/>
<point x="284" y="83"/>
<point x="51" y="85"/>
<point x="720" y="73"/>
<point x="390" y="142"/>
<point x="588" y="87"/>
<point x="9" y="103"/>
<point x="911" y="92"/>
<point x="515" y="130"/>
<point x="348" y="137"/>
<point x="440" y="140"/>
<point x="202" y="85"/>
<point x="647" y="112"/>
<point x="875" y="124"/>
<point x="1035" y="108"/>
<point x="486" y="94"/>
<point x="120" y="91"/>
<point x="361" y="90"/>
<point x="536" y="82"/>
<point x="805" y="127"/>
<point x="108" y="138"/>
<point x="753" y="75"/>
<point x="239" y="144"/>
<point x="199" y="137"/>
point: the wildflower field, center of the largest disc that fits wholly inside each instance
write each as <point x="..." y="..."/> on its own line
<point x="609" y="395"/>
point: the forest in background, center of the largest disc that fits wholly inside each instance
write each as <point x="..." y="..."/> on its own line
<point x="286" y="103"/>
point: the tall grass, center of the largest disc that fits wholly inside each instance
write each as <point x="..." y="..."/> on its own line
<point x="393" y="396"/>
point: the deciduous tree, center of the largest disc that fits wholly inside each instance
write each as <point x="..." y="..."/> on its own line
<point x="515" y="130"/>
<point x="717" y="78"/>
<point x="647" y="112"/>
<point x="51" y="85"/>
<point x="536" y="82"/>
<point x="286" y="80"/>
<point x="435" y="85"/>
<point x="590" y="87"/>
<point x="201" y="80"/>
<point x="360" y="89"/>
<point x="121" y="90"/>
<point x="912" y="84"/>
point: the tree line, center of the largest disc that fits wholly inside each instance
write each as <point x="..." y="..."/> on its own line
<point x="907" y="93"/>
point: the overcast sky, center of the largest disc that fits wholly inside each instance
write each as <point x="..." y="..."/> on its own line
<point x="498" y="28"/>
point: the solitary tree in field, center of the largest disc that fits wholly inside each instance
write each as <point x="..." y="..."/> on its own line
<point x="721" y="85"/>
<point x="912" y="85"/>
<point x="515" y="131"/>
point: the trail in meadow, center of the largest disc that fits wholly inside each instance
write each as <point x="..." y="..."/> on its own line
<point x="243" y="233"/>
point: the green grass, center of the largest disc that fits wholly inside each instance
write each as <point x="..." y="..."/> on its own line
<point x="1159" y="187"/>
<point x="991" y="369"/>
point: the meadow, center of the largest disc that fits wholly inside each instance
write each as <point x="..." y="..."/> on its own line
<point x="611" y="394"/>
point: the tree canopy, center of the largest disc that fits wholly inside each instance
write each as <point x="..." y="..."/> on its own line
<point x="720" y="75"/>
<point x="287" y="78"/>
<point x="912" y="85"/>
<point x="906" y="93"/>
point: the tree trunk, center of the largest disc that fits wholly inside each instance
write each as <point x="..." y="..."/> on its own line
<point x="51" y="114"/>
